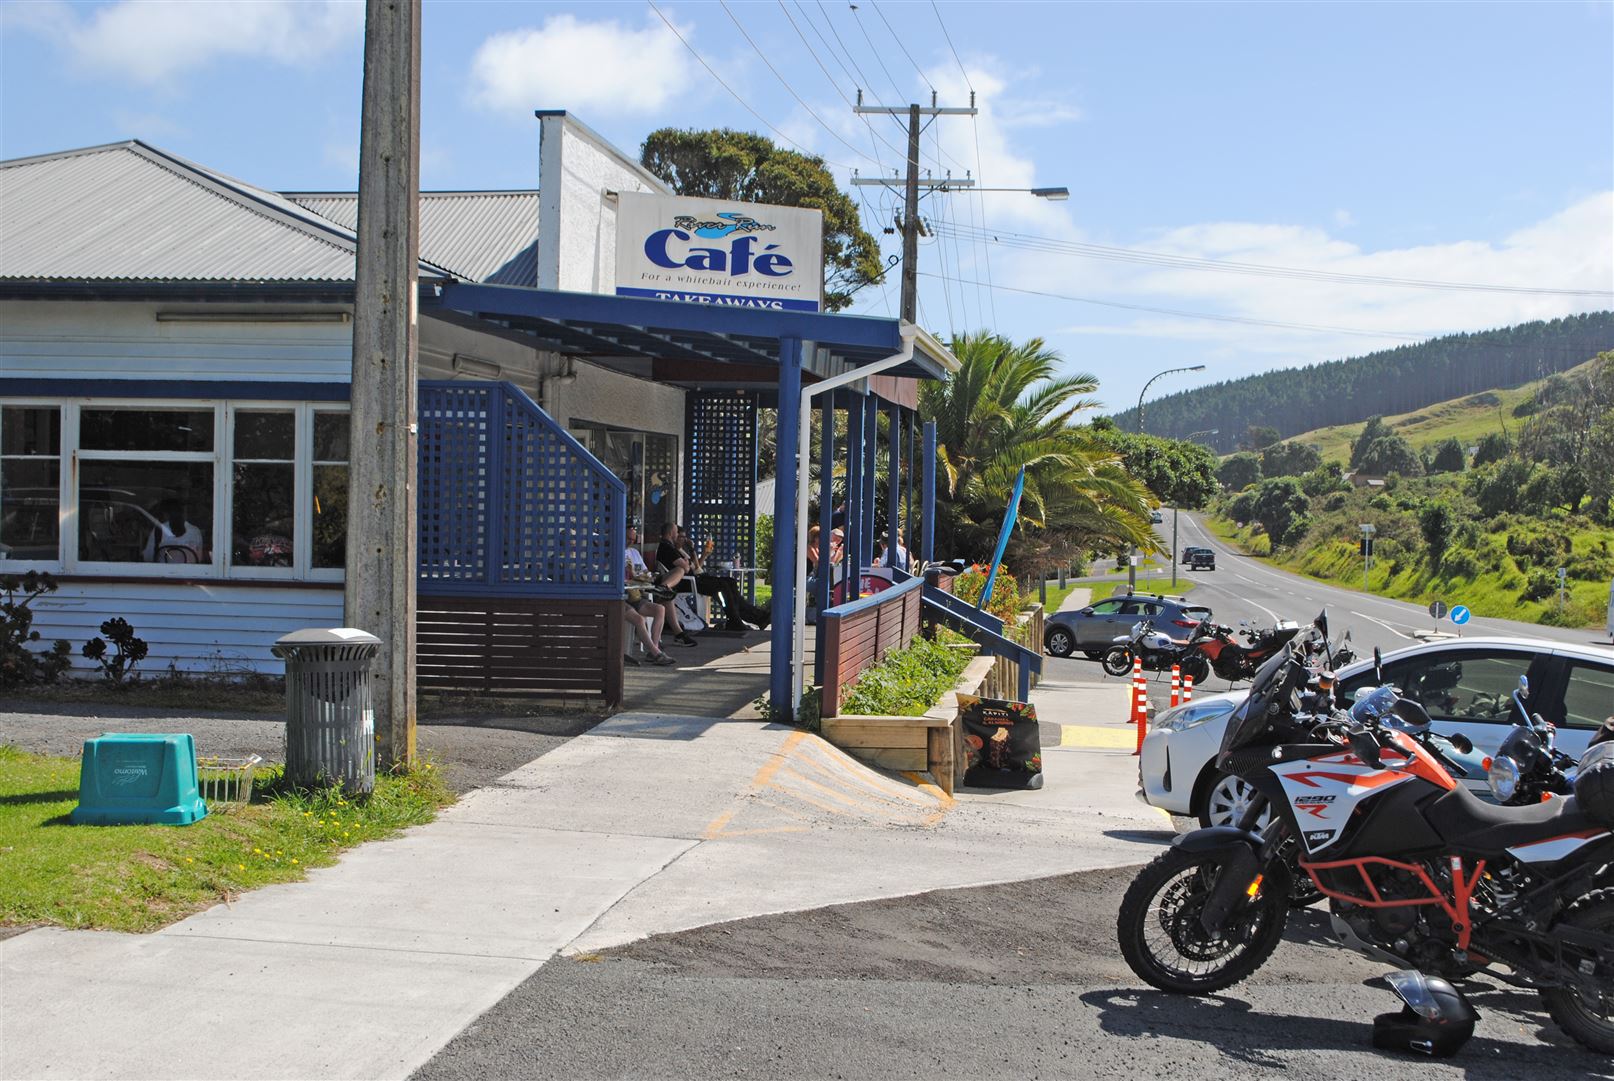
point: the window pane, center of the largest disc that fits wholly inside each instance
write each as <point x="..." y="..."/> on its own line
<point x="266" y="435"/>
<point x="145" y="512"/>
<point x="330" y="515"/>
<point x="26" y="429"/>
<point x="330" y="437"/>
<point x="29" y="505"/>
<point x="1589" y="697"/>
<point x="261" y="534"/>
<point x="146" y="429"/>
<point x="1468" y="687"/>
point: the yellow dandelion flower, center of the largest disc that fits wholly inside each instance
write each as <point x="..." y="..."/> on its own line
<point x="294" y="859"/>
<point x="240" y="867"/>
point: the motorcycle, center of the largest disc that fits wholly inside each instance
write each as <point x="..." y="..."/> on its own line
<point x="1418" y="872"/>
<point x="1157" y="649"/>
<point x="1529" y="767"/>
<point x="1219" y="651"/>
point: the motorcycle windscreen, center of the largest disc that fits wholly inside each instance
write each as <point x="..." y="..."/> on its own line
<point x="1254" y="716"/>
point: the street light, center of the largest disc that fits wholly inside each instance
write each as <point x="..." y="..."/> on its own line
<point x="1132" y="570"/>
<point x="1056" y="195"/>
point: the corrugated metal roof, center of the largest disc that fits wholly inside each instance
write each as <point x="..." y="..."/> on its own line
<point x="484" y="236"/>
<point x="130" y="212"/>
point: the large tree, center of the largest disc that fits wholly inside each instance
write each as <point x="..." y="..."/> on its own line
<point x="744" y="166"/>
<point x="1007" y="407"/>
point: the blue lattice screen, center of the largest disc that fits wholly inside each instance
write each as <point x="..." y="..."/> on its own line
<point x="509" y="502"/>
<point x="721" y="491"/>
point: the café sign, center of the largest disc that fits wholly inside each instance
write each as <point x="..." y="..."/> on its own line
<point x="708" y="251"/>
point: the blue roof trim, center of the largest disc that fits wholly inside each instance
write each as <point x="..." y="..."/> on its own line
<point x="210" y="389"/>
<point x="859" y="332"/>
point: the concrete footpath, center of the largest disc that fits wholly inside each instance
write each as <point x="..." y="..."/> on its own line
<point x="646" y="824"/>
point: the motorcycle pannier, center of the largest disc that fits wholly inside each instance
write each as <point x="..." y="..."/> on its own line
<point x="1594" y="784"/>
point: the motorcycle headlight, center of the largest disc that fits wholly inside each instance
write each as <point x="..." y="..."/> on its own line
<point x="1503" y="778"/>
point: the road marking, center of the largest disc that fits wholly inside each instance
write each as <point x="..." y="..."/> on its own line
<point x="1087" y="735"/>
<point x="1383" y="624"/>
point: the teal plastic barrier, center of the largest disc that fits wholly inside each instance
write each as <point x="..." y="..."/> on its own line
<point x="139" y="778"/>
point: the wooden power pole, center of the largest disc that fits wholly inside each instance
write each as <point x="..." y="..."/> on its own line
<point x="911" y="184"/>
<point x="382" y="465"/>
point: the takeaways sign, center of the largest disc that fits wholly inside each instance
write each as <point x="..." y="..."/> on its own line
<point x="706" y="251"/>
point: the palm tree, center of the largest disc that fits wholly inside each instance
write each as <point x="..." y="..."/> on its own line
<point x="1007" y="407"/>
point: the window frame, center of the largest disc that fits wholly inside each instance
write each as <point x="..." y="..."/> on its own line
<point x="221" y="458"/>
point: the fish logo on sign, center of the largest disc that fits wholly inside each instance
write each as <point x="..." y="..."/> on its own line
<point x="1460" y="615"/>
<point x="716" y="230"/>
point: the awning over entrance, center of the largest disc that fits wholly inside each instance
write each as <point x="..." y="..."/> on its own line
<point x="798" y="362"/>
<point x="695" y="346"/>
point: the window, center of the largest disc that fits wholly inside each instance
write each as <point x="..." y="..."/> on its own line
<point x="1469" y="685"/>
<point x="328" y="511"/>
<point x="263" y="482"/>
<point x="1106" y="608"/>
<point x="1588" y="695"/>
<point x="645" y="462"/>
<point x="30" y="482"/>
<point x="145" y="485"/>
<point x="187" y="489"/>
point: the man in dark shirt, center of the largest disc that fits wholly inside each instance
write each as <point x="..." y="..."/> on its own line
<point x="738" y="610"/>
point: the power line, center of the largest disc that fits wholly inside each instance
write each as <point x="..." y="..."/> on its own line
<point x="814" y="54"/>
<point x="922" y="76"/>
<point x="980" y="166"/>
<point x="1184" y="262"/>
<point x="790" y="89"/>
<point x="870" y="41"/>
<point x="941" y="23"/>
<point x="1242" y="320"/>
<point x="747" y="106"/>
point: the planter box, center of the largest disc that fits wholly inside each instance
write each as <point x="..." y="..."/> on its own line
<point x="931" y="743"/>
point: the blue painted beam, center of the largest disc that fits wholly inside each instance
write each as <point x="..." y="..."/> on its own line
<point x="871" y="451"/>
<point x="780" y="681"/>
<point x="854" y="491"/>
<point x="927" y="518"/>
<point x="893" y="469"/>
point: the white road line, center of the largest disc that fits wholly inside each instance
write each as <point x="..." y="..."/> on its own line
<point x="1385" y="625"/>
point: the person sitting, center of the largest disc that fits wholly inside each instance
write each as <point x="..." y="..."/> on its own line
<point x="736" y="609"/>
<point x="647" y="630"/>
<point x="671" y="567"/>
<point x="888" y="556"/>
<point x="175" y="539"/>
<point x="641" y="596"/>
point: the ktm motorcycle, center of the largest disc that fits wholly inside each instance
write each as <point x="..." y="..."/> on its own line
<point x="1219" y="651"/>
<point x="1418" y="872"/>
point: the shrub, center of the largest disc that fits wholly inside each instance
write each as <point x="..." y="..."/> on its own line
<point x="907" y="682"/>
<point x="1539" y="586"/>
<point x="19" y="664"/>
<point x="129" y="651"/>
<point x="1459" y="563"/>
<point x="1006" y="600"/>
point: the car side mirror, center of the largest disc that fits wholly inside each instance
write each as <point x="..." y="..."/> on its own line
<point x="1087" y="611"/>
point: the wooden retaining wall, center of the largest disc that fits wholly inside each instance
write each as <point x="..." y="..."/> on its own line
<point x="520" y="646"/>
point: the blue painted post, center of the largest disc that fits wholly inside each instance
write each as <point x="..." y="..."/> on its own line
<point x="854" y="490"/>
<point x="910" y="512"/>
<point x="871" y="451"/>
<point x="927" y="518"/>
<point x="1025" y="682"/>
<point x="893" y="497"/>
<point x="826" y="520"/>
<point x="780" y="682"/>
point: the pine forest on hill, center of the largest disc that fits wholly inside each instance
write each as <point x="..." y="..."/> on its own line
<point x="1393" y="381"/>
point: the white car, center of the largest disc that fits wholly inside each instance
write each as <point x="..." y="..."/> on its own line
<point x="1465" y="684"/>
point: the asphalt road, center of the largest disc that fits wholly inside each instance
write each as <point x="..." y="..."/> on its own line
<point x="1020" y="980"/>
<point x="1242" y="587"/>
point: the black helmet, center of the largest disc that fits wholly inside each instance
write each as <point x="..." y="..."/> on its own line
<point x="1434" y="1020"/>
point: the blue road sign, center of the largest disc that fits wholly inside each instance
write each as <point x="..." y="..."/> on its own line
<point x="1460" y="615"/>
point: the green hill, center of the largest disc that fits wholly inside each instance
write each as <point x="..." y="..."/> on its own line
<point x="1465" y="419"/>
<point x="1406" y="379"/>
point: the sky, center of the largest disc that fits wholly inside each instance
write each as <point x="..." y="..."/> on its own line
<point x="1313" y="145"/>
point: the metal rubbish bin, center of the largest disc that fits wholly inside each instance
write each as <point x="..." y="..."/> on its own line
<point x="330" y="722"/>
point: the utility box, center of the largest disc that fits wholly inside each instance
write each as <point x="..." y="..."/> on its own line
<point x="330" y="721"/>
<point x="138" y="779"/>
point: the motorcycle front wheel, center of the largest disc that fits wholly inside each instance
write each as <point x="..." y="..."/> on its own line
<point x="1163" y="941"/>
<point x="1117" y="661"/>
<point x="1196" y="667"/>
<point x="1589" y="1019"/>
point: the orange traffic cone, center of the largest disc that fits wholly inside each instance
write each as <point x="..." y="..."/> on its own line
<point x="1176" y="685"/>
<point x="1140" y="709"/>
<point x="1187" y="689"/>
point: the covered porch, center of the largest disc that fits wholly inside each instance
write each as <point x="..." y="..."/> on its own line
<point x="840" y="373"/>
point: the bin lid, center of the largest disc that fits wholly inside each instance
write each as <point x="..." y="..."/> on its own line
<point x="328" y="636"/>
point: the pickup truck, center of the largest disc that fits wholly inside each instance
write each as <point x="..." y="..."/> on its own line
<point x="1202" y="559"/>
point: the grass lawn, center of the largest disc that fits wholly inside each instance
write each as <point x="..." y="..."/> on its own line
<point x="139" y="878"/>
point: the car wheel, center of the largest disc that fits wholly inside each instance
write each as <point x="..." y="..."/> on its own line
<point x="1060" y="642"/>
<point x="1226" y="800"/>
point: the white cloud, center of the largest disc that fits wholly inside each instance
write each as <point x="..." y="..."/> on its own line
<point x="603" y="66"/>
<point x="152" y="41"/>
